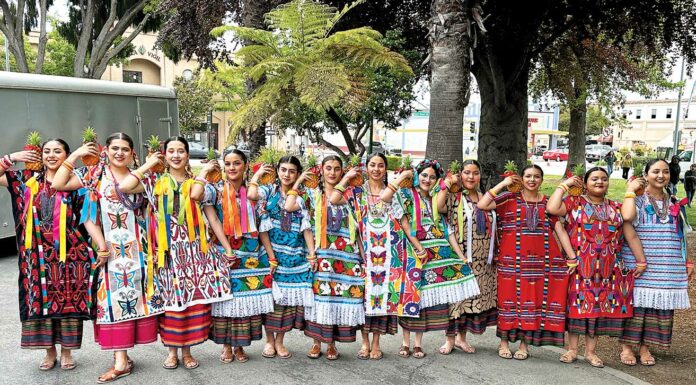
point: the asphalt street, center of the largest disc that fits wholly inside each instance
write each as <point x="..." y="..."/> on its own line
<point x="19" y="366"/>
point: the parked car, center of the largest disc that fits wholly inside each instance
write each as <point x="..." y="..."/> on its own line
<point x="595" y="152"/>
<point x="377" y="147"/>
<point x="199" y="151"/>
<point x="557" y="154"/>
<point x="241" y="147"/>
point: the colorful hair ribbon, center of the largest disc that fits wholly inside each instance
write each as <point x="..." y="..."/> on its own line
<point x="164" y="191"/>
<point x="60" y="213"/>
<point x="32" y="188"/>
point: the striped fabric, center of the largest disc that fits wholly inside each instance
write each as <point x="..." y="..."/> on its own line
<point x="384" y="324"/>
<point x="284" y="318"/>
<point x="472" y="323"/>
<point x="125" y="335"/>
<point x="596" y="326"/>
<point x="532" y="337"/>
<point x="46" y="333"/>
<point x="648" y="326"/>
<point x="239" y="331"/>
<point x="434" y="318"/>
<point x="185" y="328"/>
<point x="329" y="334"/>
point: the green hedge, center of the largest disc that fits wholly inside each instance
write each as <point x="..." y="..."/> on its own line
<point x="393" y="162"/>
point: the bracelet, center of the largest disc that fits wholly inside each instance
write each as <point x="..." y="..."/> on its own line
<point x="572" y="264"/>
<point x="563" y="187"/>
<point x="292" y="192"/>
<point x="421" y="252"/>
<point x="138" y="175"/>
<point x="629" y="195"/>
<point x="392" y="187"/>
<point x="312" y="258"/>
<point x="71" y="163"/>
<point x="199" y="183"/>
<point x="444" y="186"/>
<point x="252" y="183"/>
<point x="273" y="262"/>
<point x="493" y="194"/>
<point x="68" y="166"/>
<point x="103" y="253"/>
<point x="689" y="264"/>
<point x="340" y="188"/>
<point x="572" y="259"/>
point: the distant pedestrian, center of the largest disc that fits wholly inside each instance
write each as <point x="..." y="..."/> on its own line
<point x="610" y="159"/>
<point x="690" y="182"/>
<point x="302" y="149"/>
<point x="674" y="171"/>
<point x="626" y="165"/>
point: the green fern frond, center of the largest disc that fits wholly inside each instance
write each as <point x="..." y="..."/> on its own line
<point x="321" y="85"/>
<point x="339" y="15"/>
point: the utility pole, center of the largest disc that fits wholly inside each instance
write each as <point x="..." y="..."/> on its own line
<point x="676" y="124"/>
<point x="7" y="54"/>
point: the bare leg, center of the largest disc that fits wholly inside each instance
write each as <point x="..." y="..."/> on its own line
<point x="572" y="353"/>
<point x="364" y="352"/>
<point x="590" y="354"/>
<point x="280" y="346"/>
<point x="375" y="349"/>
<point x="448" y="346"/>
<point x="418" y="343"/>
<point x="269" y="349"/>
<point x="504" y="349"/>
<point x="646" y="357"/>
<point x="461" y="343"/>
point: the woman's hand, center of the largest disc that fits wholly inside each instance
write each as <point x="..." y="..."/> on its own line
<point x="510" y="180"/>
<point x="452" y="179"/>
<point x="27" y="156"/>
<point x="636" y="184"/>
<point x="210" y="166"/>
<point x="352" y="173"/>
<point x="312" y="259"/>
<point x="690" y="271"/>
<point x="230" y="258"/>
<point x="102" y="260"/>
<point x="264" y="169"/>
<point x="89" y="148"/>
<point x="573" y="181"/>
<point x="154" y="159"/>
<point x="303" y="177"/>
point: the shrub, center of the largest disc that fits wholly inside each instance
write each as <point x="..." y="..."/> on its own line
<point x="393" y="162"/>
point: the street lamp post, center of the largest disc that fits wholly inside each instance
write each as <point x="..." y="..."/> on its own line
<point x="679" y="98"/>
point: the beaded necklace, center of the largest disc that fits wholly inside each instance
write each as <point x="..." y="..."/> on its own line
<point x="661" y="212"/>
<point x="531" y="214"/>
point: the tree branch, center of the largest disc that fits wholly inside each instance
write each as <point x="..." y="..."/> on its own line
<point x="101" y="67"/>
<point x="87" y="11"/>
<point x="102" y="47"/>
<point x="97" y="47"/>
<point x="333" y="147"/>
<point x="343" y="128"/>
<point x="43" y="36"/>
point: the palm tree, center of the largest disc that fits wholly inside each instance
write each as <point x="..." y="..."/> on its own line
<point x="302" y="58"/>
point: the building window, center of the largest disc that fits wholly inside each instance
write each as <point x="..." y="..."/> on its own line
<point x="668" y="115"/>
<point x="653" y="113"/>
<point x="638" y="111"/>
<point x="132" y="77"/>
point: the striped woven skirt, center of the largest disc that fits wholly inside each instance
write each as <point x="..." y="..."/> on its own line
<point x="434" y="318"/>
<point x="46" y="333"/>
<point x="237" y="331"/>
<point x="532" y="337"/>
<point x="648" y="326"/>
<point x="190" y="327"/>
<point x="284" y="318"/>
<point x="472" y="323"/>
<point x="383" y="324"/>
<point x="125" y="335"/>
<point x="330" y="334"/>
<point x="612" y="327"/>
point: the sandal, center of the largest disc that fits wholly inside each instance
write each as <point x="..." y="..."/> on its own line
<point x="594" y="361"/>
<point x="364" y="354"/>
<point x="628" y="359"/>
<point x="48" y="365"/>
<point x="189" y="362"/>
<point x="314" y="352"/>
<point x="240" y="355"/>
<point x="521" y="355"/>
<point x="649" y="360"/>
<point x="465" y="347"/>
<point x="112" y="375"/>
<point x="569" y="357"/>
<point x="418" y="352"/>
<point x="377" y="356"/>
<point x="446" y="350"/>
<point x="227" y="356"/>
<point x="285" y="355"/>
<point x="331" y="353"/>
<point x="504" y="352"/>
<point x="404" y="351"/>
<point x="267" y="352"/>
<point x="67" y="363"/>
<point x="171" y="363"/>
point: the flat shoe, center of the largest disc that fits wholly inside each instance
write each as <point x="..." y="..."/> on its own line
<point x="67" y="365"/>
<point x="648" y="361"/>
<point x="227" y="356"/>
<point x="48" y="365"/>
<point x="331" y="353"/>
<point x="190" y="362"/>
<point x="594" y="361"/>
<point x="112" y="375"/>
<point x="404" y="351"/>
<point x="364" y="354"/>
<point x="628" y="359"/>
<point x="265" y="353"/>
<point x="378" y="356"/>
<point x="569" y="357"/>
<point x="285" y="356"/>
<point x="468" y="349"/>
<point x="445" y="350"/>
<point x="314" y="352"/>
<point x="521" y="355"/>
<point x="504" y="352"/>
<point x="418" y="352"/>
<point x="171" y="363"/>
<point x="240" y="355"/>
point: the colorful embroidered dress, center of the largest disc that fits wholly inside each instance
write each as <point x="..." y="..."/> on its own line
<point x="339" y="284"/>
<point x="56" y="265"/>
<point x="600" y="286"/>
<point x="532" y="274"/>
<point x="445" y="279"/>
<point x="663" y="287"/>
<point x="475" y="231"/>
<point x="127" y="289"/>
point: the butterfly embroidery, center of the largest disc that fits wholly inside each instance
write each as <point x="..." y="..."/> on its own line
<point x="378" y="240"/>
<point x="118" y="221"/>
<point x="378" y="258"/>
<point x="378" y="278"/>
<point x="125" y="279"/>
<point x="122" y="252"/>
<point x="128" y="306"/>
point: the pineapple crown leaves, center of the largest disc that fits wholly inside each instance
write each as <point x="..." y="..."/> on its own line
<point x="211" y="155"/>
<point x="355" y="160"/>
<point x="153" y="142"/>
<point x="89" y="135"/>
<point x="511" y="166"/>
<point x="579" y="169"/>
<point x="269" y="156"/>
<point x="406" y="162"/>
<point x="34" y="139"/>
<point x="638" y="168"/>
<point x="454" y="167"/>
<point x="310" y="162"/>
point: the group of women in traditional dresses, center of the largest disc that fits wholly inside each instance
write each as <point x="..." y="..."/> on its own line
<point x="169" y="254"/>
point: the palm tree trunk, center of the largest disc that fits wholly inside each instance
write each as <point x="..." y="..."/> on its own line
<point x="449" y="86"/>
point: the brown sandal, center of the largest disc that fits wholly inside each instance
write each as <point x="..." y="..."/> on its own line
<point x="48" y="365"/>
<point x="67" y="364"/>
<point x="112" y="375"/>
<point x="418" y="352"/>
<point x="314" y="352"/>
<point x="404" y="351"/>
<point x="171" y="363"/>
<point x="628" y="359"/>
<point x="569" y="357"/>
<point x="190" y="362"/>
<point x="226" y="356"/>
<point x="364" y="354"/>
<point x="331" y="353"/>
<point x="240" y="355"/>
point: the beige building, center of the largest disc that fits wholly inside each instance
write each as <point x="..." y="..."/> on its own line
<point x="651" y="123"/>
<point x="149" y="65"/>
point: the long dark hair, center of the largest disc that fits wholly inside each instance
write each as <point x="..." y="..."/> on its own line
<point x="239" y="154"/>
<point x="64" y="144"/>
<point x="593" y="169"/>
<point x="176" y="139"/>
<point x="291" y="159"/>
<point x="475" y="163"/>
<point x="527" y="167"/>
<point x="651" y="162"/>
<point x="384" y="158"/>
<point x="127" y="138"/>
<point x="324" y="161"/>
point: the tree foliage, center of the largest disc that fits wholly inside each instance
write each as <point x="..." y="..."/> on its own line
<point x="302" y="64"/>
<point x="195" y="101"/>
<point x="18" y="19"/>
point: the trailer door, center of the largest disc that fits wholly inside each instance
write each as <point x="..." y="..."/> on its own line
<point x="153" y="119"/>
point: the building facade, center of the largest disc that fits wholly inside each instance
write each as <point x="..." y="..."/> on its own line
<point x="651" y="123"/>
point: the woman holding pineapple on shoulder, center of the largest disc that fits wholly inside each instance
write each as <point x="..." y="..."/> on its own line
<point x="532" y="272"/>
<point x="339" y="282"/>
<point x="446" y="275"/>
<point x="191" y="279"/>
<point x="383" y="243"/>
<point x="475" y="232"/>
<point x="600" y="290"/>
<point x="128" y="298"/>
<point x="52" y="305"/>
<point x="286" y="237"/>
<point x="227" y="205"/>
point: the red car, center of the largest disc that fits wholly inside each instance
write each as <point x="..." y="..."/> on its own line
<point x="557" y="154"/>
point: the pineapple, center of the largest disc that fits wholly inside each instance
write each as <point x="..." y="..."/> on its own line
<point x="454" y="169"/>
<point x="578" y="170"/>
<point x="154" y="145"/>
<point x="311" y="165"/>
<point x="269" y="156"/>
<point x="638" y="167"/>
<point x="89" y="136"/>
<point x="406" y="165"/>
<point x="214" y="175"/>
<point x="354" y="161"/>
<point x="511" y="169"/>
<point x="33" y="144"/>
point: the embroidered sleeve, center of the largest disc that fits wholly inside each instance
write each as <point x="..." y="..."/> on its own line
<point x="265" y="191"/>
<point x="396" y="210"/>
<point x="210" y="194"/>
<point x="502" y="201"/>
<point x="149" y="185"/>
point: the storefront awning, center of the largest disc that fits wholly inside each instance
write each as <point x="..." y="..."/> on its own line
<point x="549" y="132"/>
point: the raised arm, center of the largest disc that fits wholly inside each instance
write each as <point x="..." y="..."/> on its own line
<point x="441" y="198"/>
<point x="291" y="203"/>
<point x="628" y="208"/>
<point x="392" y="188"/>
<point x="337" y="197"/>
<point x="555" y="204"/>
<point x="65" y="179"/>
<point x="19" y="156"/>
<point x="131" y="183"/>
<point x="487" y="201"/>
<point x="253" y="189"/>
